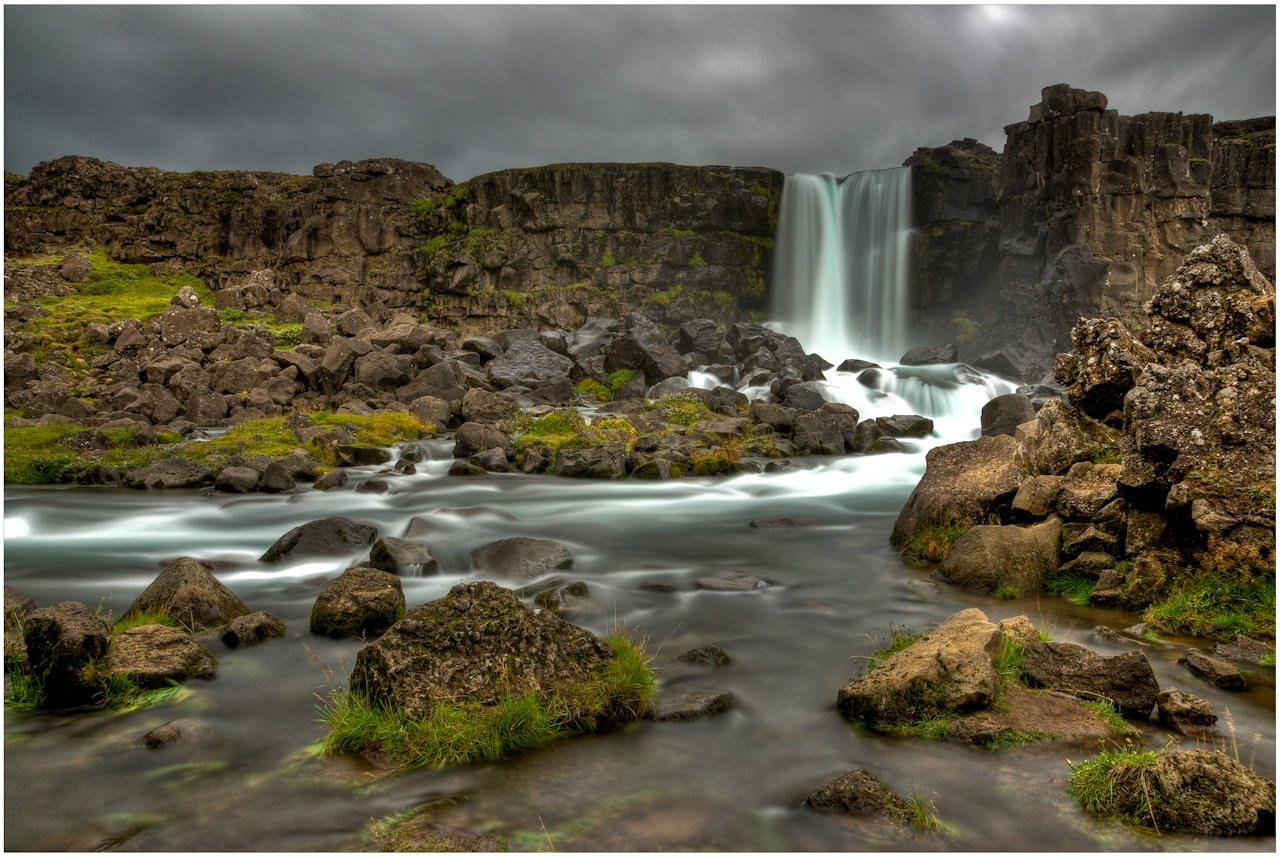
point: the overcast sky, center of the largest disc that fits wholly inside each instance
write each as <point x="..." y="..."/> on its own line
<point x="475" y="89"/>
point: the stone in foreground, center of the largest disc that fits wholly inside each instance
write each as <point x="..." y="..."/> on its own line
<point x="1043" y="715"/>
<point x="477" y="644"/>
<point x="187" y="591"/>
<point x="1127" y="679"/>
<point x="988" y="557"/>
<point x="692" y="706"/>
<point x="63" y="641"/>
<point x="860" y="793"/>
<point x="360" y="601"/>
<point x="152" y="655"/>
<point x="949" y="668"/>
<point x="254" y="628"/>
<point x="522" y="557"/>
<point x="334" y="536"/>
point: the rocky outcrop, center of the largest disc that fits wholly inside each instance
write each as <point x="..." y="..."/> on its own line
<point x="988" y="558"/>
<point x="1084" y="214"/>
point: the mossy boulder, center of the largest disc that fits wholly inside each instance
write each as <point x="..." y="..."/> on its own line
<point x="950" y="668"/>
<point x="358" y="601"/>
<point x="152" y="655"/>
<point x="188" y="592"/>
<point x="860" y="793"/>
<point x="64" y="644"/>
<point x="987" y="557"/>
<point x="253" y="628"/>
<point x="479" y="643"/>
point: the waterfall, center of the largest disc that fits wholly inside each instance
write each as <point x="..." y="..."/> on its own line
<point x="840" y="268"/>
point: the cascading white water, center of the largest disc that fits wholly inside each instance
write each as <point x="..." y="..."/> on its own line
<point x="840" y="267"/>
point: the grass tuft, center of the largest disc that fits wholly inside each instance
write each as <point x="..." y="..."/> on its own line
<point x="456" y="733"/>
<point x="145" y="617"/>
<point x="930" y="544"/>
<point x="899" y="638"/>
<point x="1108" y="714"/>
<point x="921" y="813"/>
<point x="1094" y="781"/>
<point x="1075" y="588"/>
<point x="1218" y="604"/>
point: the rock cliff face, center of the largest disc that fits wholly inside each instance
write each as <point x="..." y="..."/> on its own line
<point x="541" y="247"/>
<point x="1090" y="210"/>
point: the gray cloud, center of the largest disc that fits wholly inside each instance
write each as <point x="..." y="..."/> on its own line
<point x="474" y="89"/>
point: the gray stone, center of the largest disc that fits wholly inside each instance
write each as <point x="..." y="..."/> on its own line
<point x="706" y="656"/>
<point x="1217" y="672"/>
<point x="359" y="602"/>
<point x="1188" y="714"/>
<point x="236" y="480"/>
<point x="178" y="731"/>
<point x="733" y="581"/>
<point x="860" y="793"/>
<point x="333" y="536"/>
<point x="692" y="706"/>
<point x="188" y="592"/>
<point x="154" y="655"/>
<point x="253" y="628"/>
<point x="522" y="557"/>
<point x="392" y="555"/>
<point x="1003" y="414"/>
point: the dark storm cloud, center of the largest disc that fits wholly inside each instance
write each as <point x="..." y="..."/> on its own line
<point x="473" y="89"/>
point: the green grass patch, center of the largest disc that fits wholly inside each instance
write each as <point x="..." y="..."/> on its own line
<point x="1108" y="455"/>
<point x="682" y="408"/>
<point x="921" y="813"/>
<point x="619" y="378"/>
<point x="25" y="690"/>
<point x="144" y="617"/>
<point x="1107" y="713"/>
<point x="456" y="733"/>
<point x="1008" y="592"/>
<point x="1100" y="783"/>
<point x="930" y="544"/>
<point x="896" y="639"/>
<point x="1268" y="660"/>
<point x="1020" y="738"/>
<point x="607" y="260"/>
<point x="664" y="297"/>
<point x="697" y="261"/>
<point x="592" y="389"/>
<point x="1218" y="604"/>
<point x="1075" y="588"/>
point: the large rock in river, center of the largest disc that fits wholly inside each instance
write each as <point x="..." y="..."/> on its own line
<point x="963" y="483"/>
<point x="522" y="557"/>
<point x="1127" y="679"/>
<point x="988" y="557"/>
<point x="477" y="644"/>
<point x="151" y="655"/>
<point x="860" y="793"/>
<point x="358" y="601"/>
<point x="187" y="591"/>
<point x="949" y="668"/>
<point x="62" y="642"/>
<point x="333" y="536"/>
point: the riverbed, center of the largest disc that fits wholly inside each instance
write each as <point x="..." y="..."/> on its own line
<point x="730" y="782"/>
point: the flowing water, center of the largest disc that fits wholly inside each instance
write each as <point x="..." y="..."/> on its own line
<point x="731" y="782"/>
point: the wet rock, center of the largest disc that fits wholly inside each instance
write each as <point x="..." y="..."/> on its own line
<point x="236" y="480"/>
<point x="276" y="479"/>
<point x="392" y="554"/>
<point x="1052" y="715"/>
<point x="566" y="599"/>
<point x="333" y="536"/>
<point x="462" y="467"/>
<point x="925" y="356"/>
<point x="253" y="628"/>
<point x="823" y="433"/>
<point x="1003" y="414"/>
<point x="153" y="655"/>
<point x="1037" y="496"/>
<point x="706" y="656"/>
<point x="692" y="706"/>
<point x="700" y="334"/>
<point x="1241" y="648"/>
<point x="335" y="478"/>
<point x="950" y="668"/>
<point x="352" y="455"/>
<point x="522" y="557"/>
<point x="17" y="606"/>
<point x="860" y="793"/>
<point x="905" y="425"/>
<point x="656" y="586"/>
<point x="1218" y="673"/>
<point x="854" y="365"/>
<point x="987" y="557"/>
<point x="178" y="731"/>
<point x="659" y="468"/>
<point x="1188" y="714"/>
<point x="1194" y="791"/>
<point x="477" y="644"/>
<point x="358" y="602"/>
<point x="491" y="460"/>
<point x="806" y="396"/>
<point x="170" y="473"/>
<point x="100" y="474"/>
<point x="528" y="363"/>
<point x="1126" y="679"/>
<point x="186" y="591"/>
<point x="733" y="581"/>
<point x="477" y="437"/>
<point x="963" y="483"/>
<point x="62" y="643"/>
<point x="777" y="524"/>
<point x="607" y="461"/>
<point x="777" y="417"/>
<point x="374" y="486"/>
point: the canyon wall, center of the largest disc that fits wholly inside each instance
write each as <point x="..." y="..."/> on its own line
<point x="541" y="247"/>
<point x="1085" y="214"/>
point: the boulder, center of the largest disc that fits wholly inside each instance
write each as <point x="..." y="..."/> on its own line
<point x="381" y="371"/>
<point x="178" y="731"/>
<point x="566" y="599"/>
<point x="528" y="363"/>
<point x="776" y="417"/>
<point x="392" y="554"/>
<point x="17" y="606"/>
<point x="1003" y="414"/>
<point x="706" y="656"/>
<point x="170" y="473"/>
<point x="62" y="643"/>
<point x="702" y="335"/>
<point x="236" y="480"/>
<point x="1087" y="488"/>
<point x="189" y="593"/>
<point x="358" y="602"/>
<point x="1059" y="437"/>
<point x="860" y="793"/>
<point x="592" y="338"/>
<point x="806" y="396"/>
<point x="477" y="437"/>
<point x="607" y="461"/>
<point x="988" y="557"/>
<point x="153" y="655"/>
<point x="75" y="267"/>
<point x="333" y="536"/>
<point x="335" y="478"/>
<point x="276" y="479"/>
<point x="949" y="668"/>
<point x="1047" y="714"/>
<point x="925" y="356"/>
<point x="963" y="483"/>
<point x="1188" y="714"/>
<point x="485" y="407"/>
<point x="823" y="433"/>
<point x="1203" y="792"/>
<point x="477" y="644"/>
<point x="522" y="557"/>
<point x="1218" y="673"/>
<point x="905" y="425"/>
<point x="484" y="346"/>
<point x="1241" y="648"/>
<point x="691" y="706"/>
<point x="358" y="455"/>
<point x="1127" y="679"/>
<point x="431" y="411"/>
<point x="1036" y="497"/>
<point x="253" y="628"/>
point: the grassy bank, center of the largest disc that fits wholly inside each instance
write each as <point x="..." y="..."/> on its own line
<point x="456" y="733"/>
<point x="1218" y="604"/>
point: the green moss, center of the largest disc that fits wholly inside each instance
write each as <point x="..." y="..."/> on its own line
<point x="1218" y="604"/>
<point x="458" y="733"/>
<point x="144" y="617"/>
<point x="593" y="389"/>
<point x="682" y="408"/>
<point x="1108" y="455"/>
<point x="1094" y="782"/>
<point x="930" y="544"/>
<point x="607" y="260"/>
<point x="966" y="328"/>
<point x="619" y="378"/>
<point x="514" y="298"/>
<point x="664" y="298"/>
<point x="697" y="261"/>
<point x="680" y="233"/>
<point x="1073" y="587"/>
<point x="1008" y="592"/>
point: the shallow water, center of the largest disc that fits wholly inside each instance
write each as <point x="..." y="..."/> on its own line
<point x="733" y="782"/>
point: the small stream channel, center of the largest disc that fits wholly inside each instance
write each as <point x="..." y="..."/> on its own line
<point x="732" y="782"/>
